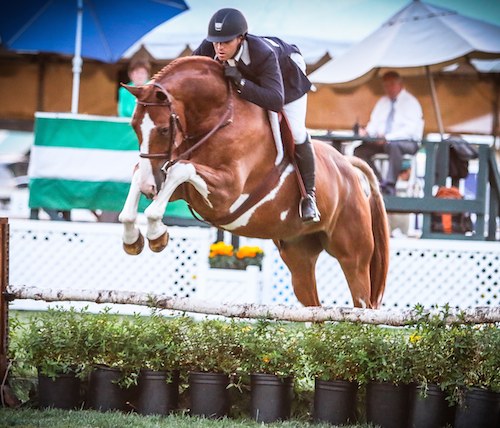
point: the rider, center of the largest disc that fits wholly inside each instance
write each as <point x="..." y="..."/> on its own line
<point x="271" y="74"/>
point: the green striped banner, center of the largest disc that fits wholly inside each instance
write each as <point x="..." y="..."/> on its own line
<point x="83" y="161"/>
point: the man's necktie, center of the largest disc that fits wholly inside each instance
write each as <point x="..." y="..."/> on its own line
<point x="390" y="118"/>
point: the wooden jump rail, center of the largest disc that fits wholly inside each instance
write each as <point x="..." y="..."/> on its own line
<point x="478" y="315"/>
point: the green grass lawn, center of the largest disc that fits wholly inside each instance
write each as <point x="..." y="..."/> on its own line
<point x="30" y="418"/>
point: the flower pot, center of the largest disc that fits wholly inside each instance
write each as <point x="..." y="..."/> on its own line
<point x="158" y="392"/>
<point x="270" y="397"/>
<point x="209" y="394"/>
<point x="387" y="404"/>
<point x="479" y="408"/>
<point x="334" y="401"/>
<point x="63" y="392"/>
<point x="430" y="411"/>
<point x="104" y="393"/>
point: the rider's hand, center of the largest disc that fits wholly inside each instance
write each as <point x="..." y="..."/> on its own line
<point x="232" y="72"/>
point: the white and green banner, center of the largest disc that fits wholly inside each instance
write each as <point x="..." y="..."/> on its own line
<point x="83" y="161"/>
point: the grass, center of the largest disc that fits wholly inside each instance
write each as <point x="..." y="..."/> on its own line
<point x="31" y="418"/>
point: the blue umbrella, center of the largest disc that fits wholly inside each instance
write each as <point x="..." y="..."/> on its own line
<point x="98" y="29"/>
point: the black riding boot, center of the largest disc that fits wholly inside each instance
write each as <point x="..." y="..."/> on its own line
<point x="305" y="161"/>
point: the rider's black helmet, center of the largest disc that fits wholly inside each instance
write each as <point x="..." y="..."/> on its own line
<point x="226" y="25"/>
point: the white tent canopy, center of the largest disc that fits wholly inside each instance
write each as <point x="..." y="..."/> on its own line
<point x="418" y="36"/>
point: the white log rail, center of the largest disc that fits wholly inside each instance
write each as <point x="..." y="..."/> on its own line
<point x="478" y="315"/>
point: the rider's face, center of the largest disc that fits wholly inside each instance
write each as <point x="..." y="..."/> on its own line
<point x="227" y="50"/>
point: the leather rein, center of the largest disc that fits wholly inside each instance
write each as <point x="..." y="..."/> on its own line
<point x="175" y="124"/>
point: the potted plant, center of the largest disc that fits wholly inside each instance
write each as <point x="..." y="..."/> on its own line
<point x="477" y="375"/>
<point x="111" y="348"/>
<point x="212" y="355"/>
<point x="157" y="348"/>
<point x="271" y="353"/>
<point x="53" y="343"/>
<point x="332" y="355"/>
<point x="385" y="371"/>
<point x="431" y="351"/>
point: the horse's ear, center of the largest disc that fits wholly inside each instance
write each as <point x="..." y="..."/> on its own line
<point x="134" y="90"/>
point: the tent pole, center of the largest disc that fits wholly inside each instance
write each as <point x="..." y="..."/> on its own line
<point x="435" y="102"/>
<point x="77" y="59"/>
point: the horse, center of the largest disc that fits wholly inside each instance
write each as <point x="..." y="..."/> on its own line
<point x="201" y="142"/>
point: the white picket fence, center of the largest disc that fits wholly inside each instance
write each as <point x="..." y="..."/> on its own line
<point x="89" y="256"/>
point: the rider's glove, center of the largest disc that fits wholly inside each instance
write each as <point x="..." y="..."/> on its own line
<point x="232" y="72"/>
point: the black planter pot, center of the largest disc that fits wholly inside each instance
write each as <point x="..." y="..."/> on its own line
<point x="63" y="392"/>
<point x="104" y="393"/>
<point x="431" y="411"/>
<point x="209" y="394"/>
<point x="479" y="408"/>
<point x="158" y="392"/>
<point x="270" y="397"/>
<point x="387" y="404"/>
<point x="335" y="401"/>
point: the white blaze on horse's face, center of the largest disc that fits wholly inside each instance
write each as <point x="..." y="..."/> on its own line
<point x="147" y="181"/>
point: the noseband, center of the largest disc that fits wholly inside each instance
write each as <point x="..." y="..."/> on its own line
<point x="175" y="124"/>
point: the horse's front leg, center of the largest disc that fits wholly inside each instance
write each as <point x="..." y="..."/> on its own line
<point x="133" y="241"/>
<point x="178" y="174"/>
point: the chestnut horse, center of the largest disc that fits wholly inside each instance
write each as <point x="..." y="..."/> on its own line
<point x="202" y="143"/>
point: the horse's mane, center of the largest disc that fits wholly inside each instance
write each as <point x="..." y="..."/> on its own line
<point x="193" y="62"/>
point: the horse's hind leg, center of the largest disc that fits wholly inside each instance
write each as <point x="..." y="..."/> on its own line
<point x="300" y="255"/>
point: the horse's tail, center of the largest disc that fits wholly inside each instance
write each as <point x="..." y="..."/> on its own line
<point x="379" y="264"/>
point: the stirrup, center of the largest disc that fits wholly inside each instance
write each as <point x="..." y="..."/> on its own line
<point x="311" y="217"/>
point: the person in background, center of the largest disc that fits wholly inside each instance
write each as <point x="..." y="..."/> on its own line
<point x="138" y="73"/>
<point x="270" y="73"/>
<point x="397" y="124"/>
<point x="399" y="224"/>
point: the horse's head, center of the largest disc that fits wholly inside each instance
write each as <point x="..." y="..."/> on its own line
<point x="173" y="111"/>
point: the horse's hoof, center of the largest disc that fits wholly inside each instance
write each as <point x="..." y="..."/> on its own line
<point x="136" y="247"/>
<point x="159" y="243"/>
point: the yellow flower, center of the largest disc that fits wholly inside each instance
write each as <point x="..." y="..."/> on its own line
<point x="414" y="338"/>
<point x="220" y="249"/>
<point x="250" y="252"/>
<point x="266" y="359"/>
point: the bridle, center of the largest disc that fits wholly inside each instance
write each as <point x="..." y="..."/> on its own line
<point x="176" y="125"/>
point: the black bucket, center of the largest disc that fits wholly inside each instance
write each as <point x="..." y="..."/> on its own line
<point x="104" y="393"/>
<point x="335" y="401"/>
<point x="209" y="394"/>
<point x="387" y="404"/>
<point x="158" y="392"/>
<point x="63" y="392"/>
<point x="479" y="408"/>
<point x="429" y="411"/>
<point x="271" y="397"/>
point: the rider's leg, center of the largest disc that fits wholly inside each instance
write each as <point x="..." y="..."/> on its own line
<point x="295" y="112"/>
<point x="305" y="161"/>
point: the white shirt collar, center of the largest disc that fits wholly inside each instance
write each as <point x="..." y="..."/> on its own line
<point x="243" y="54"/>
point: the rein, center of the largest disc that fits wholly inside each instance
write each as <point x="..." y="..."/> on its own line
<point x="175" y="125"/>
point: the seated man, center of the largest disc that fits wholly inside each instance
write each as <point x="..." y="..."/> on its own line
<point x="397" y="123"/>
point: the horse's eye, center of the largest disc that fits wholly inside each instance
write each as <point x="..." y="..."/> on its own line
<point x="163" y="130"/>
